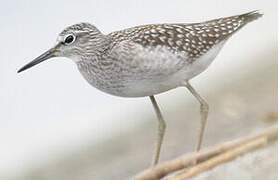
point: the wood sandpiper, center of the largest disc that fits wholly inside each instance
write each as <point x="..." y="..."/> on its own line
<point x="147" y="60"/>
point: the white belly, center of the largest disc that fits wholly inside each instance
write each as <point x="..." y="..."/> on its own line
<point x="152" y="87"/>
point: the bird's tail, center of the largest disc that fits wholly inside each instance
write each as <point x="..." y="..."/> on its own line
<point x="251" y="16"/>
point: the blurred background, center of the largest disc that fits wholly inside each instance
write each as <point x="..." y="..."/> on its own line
<point x="55" y="126"/>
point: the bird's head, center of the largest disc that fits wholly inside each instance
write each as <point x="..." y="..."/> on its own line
<point x="77" y="42"/>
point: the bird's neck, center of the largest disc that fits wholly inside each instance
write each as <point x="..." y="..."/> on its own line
<point x="101" y="49"/>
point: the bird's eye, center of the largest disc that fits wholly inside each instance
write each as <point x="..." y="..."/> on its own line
<point x="69" y="39"/>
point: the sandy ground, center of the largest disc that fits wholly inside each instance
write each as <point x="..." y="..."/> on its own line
<point x="243" y="104"/>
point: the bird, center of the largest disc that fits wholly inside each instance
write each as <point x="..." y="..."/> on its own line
<point x="147" y="60"/>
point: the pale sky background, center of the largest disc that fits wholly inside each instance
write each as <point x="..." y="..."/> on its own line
<point x="50" y="108"/>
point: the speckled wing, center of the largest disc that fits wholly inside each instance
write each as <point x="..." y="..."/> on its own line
<point x="195" y="39"/>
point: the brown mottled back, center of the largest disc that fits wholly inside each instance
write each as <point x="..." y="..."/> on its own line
<point x="195" y="39"/>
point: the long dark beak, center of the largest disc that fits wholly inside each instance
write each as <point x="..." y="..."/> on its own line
<point x="47" y="55"/>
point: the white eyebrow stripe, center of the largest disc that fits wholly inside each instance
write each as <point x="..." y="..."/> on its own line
<point x="81" y="32"/>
